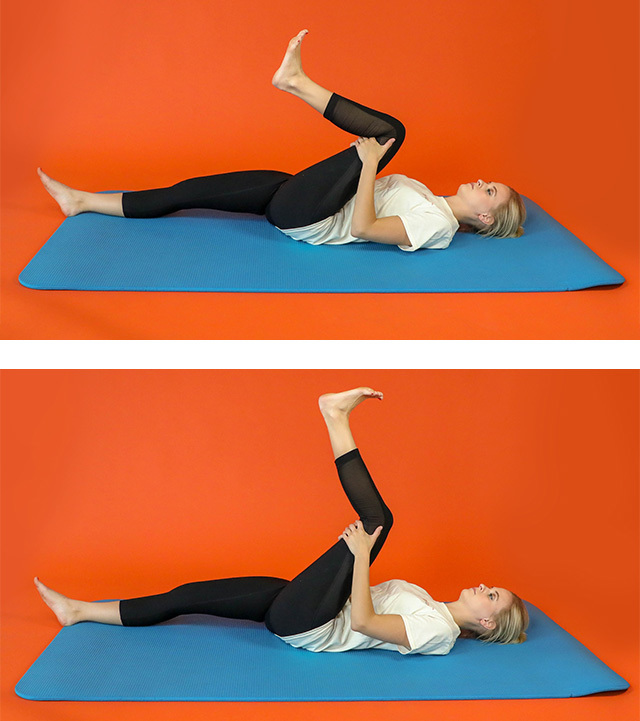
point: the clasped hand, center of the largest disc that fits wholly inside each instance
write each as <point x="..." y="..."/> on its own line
<point x="370" y="148"/>
<point x="358" y="540"/>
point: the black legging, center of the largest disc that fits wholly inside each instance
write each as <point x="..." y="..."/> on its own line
<point x="311" y="599"/>
<point x="288" y="201"/>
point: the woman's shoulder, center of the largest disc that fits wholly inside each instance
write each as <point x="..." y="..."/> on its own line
<point x="404" y="180"/>
<point x="399" y="585"/>
<point x="415" y="191"/>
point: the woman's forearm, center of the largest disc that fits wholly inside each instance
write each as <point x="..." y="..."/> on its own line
<point x="364" y="214"/>
<point x="361" y="604"/>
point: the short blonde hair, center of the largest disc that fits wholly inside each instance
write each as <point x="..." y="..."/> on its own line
<point x="508" y="219"/>
<point x="511" y="624"/>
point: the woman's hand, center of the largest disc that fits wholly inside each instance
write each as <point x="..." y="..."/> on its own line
<point x="358" y="540"/>
<point x="369" y="149"/>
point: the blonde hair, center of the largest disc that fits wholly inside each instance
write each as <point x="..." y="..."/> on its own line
<point x="511" y="624"/>
<point x="508" y="219"/>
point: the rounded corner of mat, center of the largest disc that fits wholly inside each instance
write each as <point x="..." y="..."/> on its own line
<point x="22" y="694"/>
<point x="23" y="279"/>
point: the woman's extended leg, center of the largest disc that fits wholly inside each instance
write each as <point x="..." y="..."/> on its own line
<point x="246" y="598"/>
<point x="318" y="594"/>
<point x="73" y="202"/>
<point x="69" y="611"/>
<point x="244" y="191"/>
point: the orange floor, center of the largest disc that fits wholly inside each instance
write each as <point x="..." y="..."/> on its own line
<point x="37" y="314"/>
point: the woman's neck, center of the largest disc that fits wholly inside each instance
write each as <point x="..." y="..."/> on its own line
<point x="459" y="616"/>
<point x="458" y="209"/>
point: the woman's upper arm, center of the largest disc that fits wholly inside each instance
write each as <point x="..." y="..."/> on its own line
<point x="387" y="627"/>
<point x="388" y="230"/>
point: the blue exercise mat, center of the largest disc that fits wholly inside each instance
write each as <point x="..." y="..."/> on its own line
<point x="206" y="250"/>
<point x="201" y="658"/>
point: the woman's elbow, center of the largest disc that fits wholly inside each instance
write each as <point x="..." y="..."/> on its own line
<point x="356" y="625"/>
<point x="357" y="232"/>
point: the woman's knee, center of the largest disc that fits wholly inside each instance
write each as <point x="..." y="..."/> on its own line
<point x="387" y="519"/>
<point x="383" y="518"/>
<point x="400" y="132"/>
<point x="395" y="130"/>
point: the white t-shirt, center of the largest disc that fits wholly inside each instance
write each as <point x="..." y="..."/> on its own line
<point x="427" y="218"/>
<point x="429" y="624"/>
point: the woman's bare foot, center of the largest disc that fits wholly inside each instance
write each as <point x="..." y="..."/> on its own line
<point x="67" y="198"/>
<point x="289" y="75"/>
<point x="332" y="404"/>
<point x="66" y="609"/>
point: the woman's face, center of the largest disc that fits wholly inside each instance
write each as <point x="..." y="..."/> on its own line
<point x="483" y="198"/>
<point x="485" y="602"/>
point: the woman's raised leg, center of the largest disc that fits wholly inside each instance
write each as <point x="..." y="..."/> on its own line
<point x="317" y="595"/>
<point x="344" y="113"/>
<point x="336" y="409"/>
<point x="323" y="189"/>
<point x="291" y="78"/>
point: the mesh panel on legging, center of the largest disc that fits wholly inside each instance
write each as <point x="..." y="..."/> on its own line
<point x="318" y="594"/>
<point x="323" y="189"/>
<point x="360" y="120"/>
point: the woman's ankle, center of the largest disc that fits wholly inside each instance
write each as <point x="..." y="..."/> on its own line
<point x="99" y="612"/>
<point x="75" y="612"/>
<point x="313" y="94"/>
<point x="103" y="203"/>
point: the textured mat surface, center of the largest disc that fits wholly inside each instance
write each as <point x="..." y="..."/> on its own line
<point x="200" y="658"/>
<point x="205" y="250"/>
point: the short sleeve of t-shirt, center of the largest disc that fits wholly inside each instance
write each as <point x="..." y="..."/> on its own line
<point x="426" y="229"/>
<point x="427" y="633"/>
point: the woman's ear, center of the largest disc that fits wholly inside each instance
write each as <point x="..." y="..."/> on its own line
<point x="488" y="623"/>
<point x="486" y="219"/>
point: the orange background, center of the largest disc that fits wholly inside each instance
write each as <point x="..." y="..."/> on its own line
<point x="541" y="94"/>
<point x="124" y="483"/>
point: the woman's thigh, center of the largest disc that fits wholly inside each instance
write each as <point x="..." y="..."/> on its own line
<point x="315" y="596"/>
<point x="316" y="192"/>
<point x="324" y="188"/>
<point x="319" y="593"/>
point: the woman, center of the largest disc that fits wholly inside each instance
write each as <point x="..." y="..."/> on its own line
<point x="335" y="201"/>
<point x="329" y="606"/>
